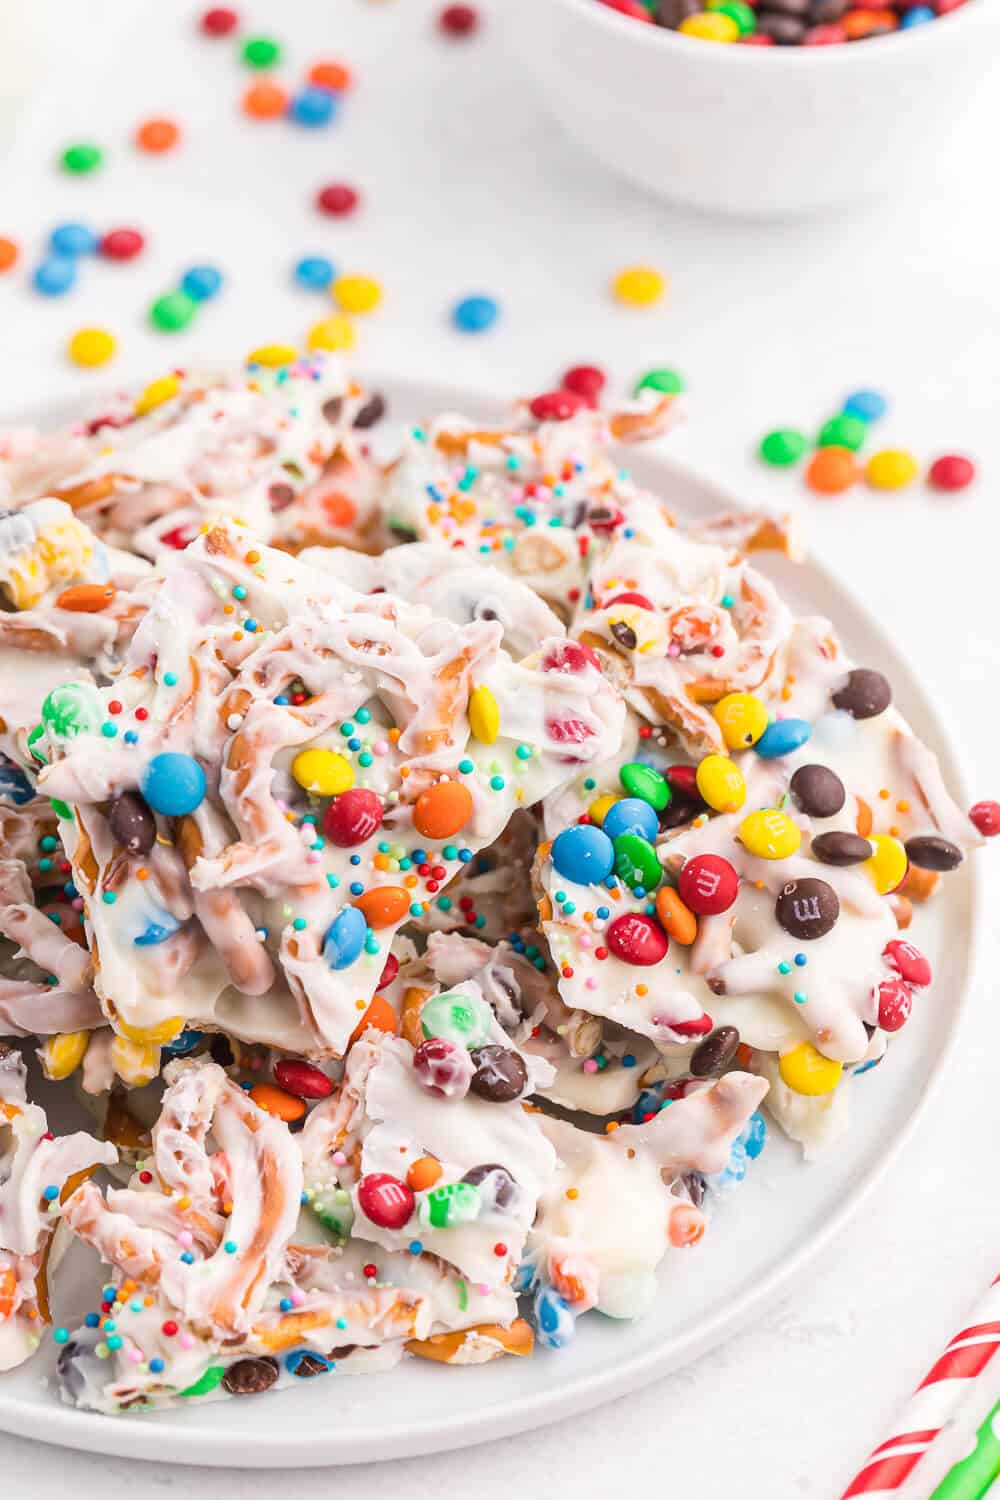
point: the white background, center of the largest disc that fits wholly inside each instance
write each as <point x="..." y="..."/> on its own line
<point x="468" y="187"/>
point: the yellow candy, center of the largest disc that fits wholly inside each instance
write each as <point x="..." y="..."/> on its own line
<point x="770" y="834"/>
<point x="157" y="1036"/>
<point x="808" y="1072"/>
<point x="323" y="772"/>
<point x="92" y="346"/>
<point x="273" y="356"/>
<point x="600" y="807"/>
<point x="742" y="719"/>
<point x="156" y="393"/>
<point x="710" y="26"/>
<point x="888" y="864"/>
<point x="484" y="715"/>
<point x="335" y="332"/>
<point x="135" y="1064"/>
<point x="640" y="286"/>
<point x="356" y="294"/>
<point x="721" y="784"/>
<point x="62" y="1055"/>
<point x="892" y="469"/>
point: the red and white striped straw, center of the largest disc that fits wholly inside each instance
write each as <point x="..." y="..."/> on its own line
<point x="933" y="1405"/>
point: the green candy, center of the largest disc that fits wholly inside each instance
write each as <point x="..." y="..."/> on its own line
<point x="636" y="862"/>
<point x="75" y="708"/>
<point x="642" y="781"/>
<point x="261" y="52"/>
<point x="844" y="431"/>
<point x="205" y="1383"/>
<point x="462" y="1019"/>
<point x="668" y="382"/>
<point x="82" y="157"/>
<point x="783" y="446"/>
<point x="450" y="1206"/>
<point x="38" y="733"/>
<point x="334" y="1210"/>
<point x="737" y="11"/>
<point x="61" y="809"/>
<point x="172" y="313"/>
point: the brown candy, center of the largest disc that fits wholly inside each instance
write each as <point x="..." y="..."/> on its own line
<point x="333" y="409"/>
<point x="373" y="411"/>
<point x="678" y="812"/>
<point x="865" y="694"/>
<point x="671" y="13"/>
<point x="280" y="497"/>
<point x="309" y="1364"/>
<point x="503" y="1185"/>
<point x="841" y="848"/>
<point x="624" y="635"/>
<point x="132" y="823"/>
<point x="826" y="12"/>
<point x="817" y="791"/>
<point x="930" y="852"/>
<point x="248" y="1377"/>
<point x="500" y="1074"/>
<point x="716" y="1053"/>
<point x="807" y="909"/>
<point x="787" y="31"/>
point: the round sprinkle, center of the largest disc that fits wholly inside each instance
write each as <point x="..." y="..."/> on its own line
<point x="261" y="52"/>
<point x="121" y="244"/>
<point x="475" y="314"/>
<point x="157" y="136"/>
<point x="72" y="239"/>
<point x="337" y="199"/>
<point x="331" y="333"/>
<point x="783" y="446"/>
<point x="201" y="283"/>
<point x="356" y="294"/>
<point x="219" y="21"/>
<point x="91" y="347"/>
<point x="82" y="157"/>
<point x="639" y="286"/>
<point x="458" y="21"/>
<point x="265" y="101"/>
<point x="61" y="1335"/>
<point x="314" y="272"/>
<point x="173" y="312"/>
<point x="313" y="107"/>
<point x="953" y="471"/>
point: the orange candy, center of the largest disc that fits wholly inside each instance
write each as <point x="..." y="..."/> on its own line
<point x="384" y="905"/>
<point x="330" y="75"/>
<point x="86" y="598"/>
<point x="379" y="1015"/>
<point x="269" y="1097"/>
<point x="157" y="135"/>
<point x="677" y="920"/>
<point x="860" y="23"/>
<point x="443" y="810"/>
<point x="339" y="509"/>
<point x="8" y="1291"/>
<point x="423" y="1173"/>
<point x="8" y="254"/>
<point x="687" y="1225"/>
<point x="831" y="471"/>
<point x="265" y="101"/>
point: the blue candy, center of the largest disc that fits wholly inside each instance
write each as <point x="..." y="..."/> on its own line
<point x="583" y="854"/>
<point x="294" y="1360"/>
<point x="345" y="938"/>
<point x="55" y="275"/>
<point x="72" y="239"/>
<point x="870" y="405"/>
<point x="554" y="1320"/>
<point x="315" y="272"/>
<point x="525" y="1277"/>
<point x="782" y="737"/>
<point x="754" y="1135"/>
<point x="201" y="283"/>
<point x="916" y="16"/>
<point x="156" y="932"/>
<point x="745" y="1148"/>
<point x="173" y="784"/>
<point x="631" y="815"/>
<point x="14" y="785"/>
<point x="313" y="107"/>
<point x="185" y="1043"/>
<point x="475" y="314"/>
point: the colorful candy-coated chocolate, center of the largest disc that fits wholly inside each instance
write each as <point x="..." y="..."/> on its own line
<point x="484" y="714"/>
<point x="952" y="471"/>
<point x="72" y="239"/>
<point x="844" y="431"/>
<point x="261" y="52"/>
<point x="909" y="963"/>
<point x="265" y="100"/>
<point x="121" y="244"/>
<point x="629" y="815"/>
<point x="444" y="1067"/>
<point x="389" y="971"/>
<point x="384" y="905"/>
<point x="888" y="864"/>
<point x="385" y="1200"/>
<point x="173" y="312"/>
<point x="895" y="1001"/>
<point x="807" y="1071"/>
<point x="554" y="1321"/>
<point x="86" y="598"/>
<point x="475" y="314"/>
<point x="55" y="275"/>
<point x="708" y="884"/>
<point x="314" y="272"/>
<point x="646" y="783"/>
<point x="450" y="1206"/>
<point x="869" y="406"/>
<point x="379" y="1015"/>
<point x="583" y="854"/>
<point x="313" y="107"/>
<point x="831" y="471"/>
<point x="667" y="382"/>
<point x="636" y="862"/>
<point x="720" y="783"/>
<point x="356" y="294"/>
<point x="587" y="381"/>
<point x="442" y="810"/>
<point x="642" y="286"/>
<point x="352" y="817"/>
<point x="278" y="1102"/>
<point x="770" y="834"/>
<point x="345" y="938"/>
<point x="301" y="1078"/>
<point x="91" y="347"/>
<point x="74" y="708"/>
<point x="337" y="199"/>
<point x="677" y="920"/>
<point x="220" y="20"/>
<point x="783" y="447"/>
<point x="742" y="719"/>
<point x="782" y="738"/>
<point x="985" y="818"/>
<point x="423" y="1174"/>
<point x="555" y="406"/>
<point x="323" y="772"/>
<point x="464" y="1019"/>
<point x="202" y="282"/>
<point x="157" y="136"/>
<point x="458" y="20"/>
<point x="637" y="939"/>
<point x="173" y="784"/>
<point x="710" y="26"/>
<point x="891" y="469"/>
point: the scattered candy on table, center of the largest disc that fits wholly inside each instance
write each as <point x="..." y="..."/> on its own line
<point x="157" y="136"/>
<point x="314" y="272"/>
<point x="639" y="286"/>
<point x="261" y="52"/>
<point x="458" y="20"/>
<point x="90" y="347"/>
<point x="337" y="199"/>
<point x="265" y="100"/>
<point x="475" y="314"/>
<point x="81" y="158"/>
<point x="356" y="294"/>
<point x="313" y="107"/>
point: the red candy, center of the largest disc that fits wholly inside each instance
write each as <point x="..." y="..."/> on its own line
<point x="951" y="472"/>
<point x="178" y="537"/>
<point x="568" y="731"/>
<point x="708" y="884"/>
<point x="302" y="1079"/>
<point x="569" y="656"/>
<point x="629" y="8"/>
<point x="985" y="818"/>
<point x="637" y="939"/>
<point x="219" y="21"/>
<point x="684" y="779"/>
<point x="337" y="198"/>
<point x="823" y="36"/>
<point x="555" y="406"/>
<point x="895" y="1001"/>
<point x="909" y="963"/>
<point x="585" y="380"/>
<point x="444" y="1068"/>
<point x="757" y="39"/>
<point x="385" y="1200"/>
<point x="121" y="244"/>
<point x="699" y="1027"/>
<point x="352" y="817"/>
<point x="631" y="598"/>
<point x="458" y="20"/>
<point x="389" y="972"/>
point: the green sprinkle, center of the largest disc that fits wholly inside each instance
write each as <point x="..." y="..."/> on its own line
<point x="109" y="898"/>
<point x="497" y="783"/>
<point x="239" y="591"/>
<point x="523" y="752"/>
<point x="799" y="997"/>
<point x="444" y="903"/>
<point x="784" y="968"/>
<point x="449" y="851"/>
<point x="466" y="767"/>
<point x="589" y="784"/>
<point x="299" y="924"/>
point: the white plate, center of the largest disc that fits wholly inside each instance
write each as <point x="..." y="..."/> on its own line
<point x="759" y="1244"/>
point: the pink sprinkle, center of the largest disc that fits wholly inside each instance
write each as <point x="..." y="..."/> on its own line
<point x="313" y="857"/>
<point x="339" y="1159"/>
<point x="185" y="1239"/>
<point x="136" y="1356"/>
<point x="381" y="747"/>
<point x="77" y="903"/>
<point x="590" y="1066"/>
<point x="186" y="1341"/>
<point x="297" y="1298"/>
<point x="673" y="649"/>
<point x="585" y="940"/>
<point x="590" y="984"/>
<point x="483" y="1289"/>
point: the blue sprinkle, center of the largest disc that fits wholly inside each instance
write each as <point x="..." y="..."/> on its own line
<point x="628" y="1061"/>
<point x="464" y="855"/>
<point x="91" y="1320"/>
<point x="799" y="997"/>
<point x="801" y="960"/>
<point x="170" y="678"/>
<point x="187" y="1258"/>
<point x="157" y="1365"/>
<point x="415" y="1247"/>
<point x="114" y="1343"/>
<point x="250" y="626"/>
<point x="130" y="737"/>
<point x="50" y="1194"/>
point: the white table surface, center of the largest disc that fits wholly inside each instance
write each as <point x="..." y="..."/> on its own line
<point x="469" y="187"/>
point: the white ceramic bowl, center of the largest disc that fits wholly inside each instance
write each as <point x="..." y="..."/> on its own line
<point x="750" y="130"/>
